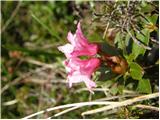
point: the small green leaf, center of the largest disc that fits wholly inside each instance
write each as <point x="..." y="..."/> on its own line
<point x="106" y="84"/>
<point x="137" y="50"/>
<point x="114" y="90"/>
<point x="144" y="4"/>
<point x="147" y="8"/>
<point x="127" y="38"/>
<point x="144" y="38"/>
<point x="136" y="71"/>
<point x="153" y="18"/>
<point x="144" y="86"/>
<point x="130" y="57"/>
<point x="120" y="89"/>
<point x="118" y="40"/>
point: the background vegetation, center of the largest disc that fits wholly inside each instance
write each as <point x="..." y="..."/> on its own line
<point x="33" y="77"/>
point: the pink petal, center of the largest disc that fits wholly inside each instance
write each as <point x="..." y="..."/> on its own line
<point x="75" y="77"/>
<point x="78" y="77"/>
<point x="90" y="84"/>
<point x="68" y="69"/>
<point x="71" y="38"/>
<point x="81" y="71"/>
<point x="85" y="66"/>
<point x="89" y="50"/>
<point x="79" y="45"/>
<point x="91" y="66"/>
<point x="80" y="35"/>
<point x="67" y="49"/>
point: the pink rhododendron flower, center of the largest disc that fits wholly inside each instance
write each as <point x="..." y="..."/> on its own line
<point x="78" y="45"/>
<point x="81" y="71"/>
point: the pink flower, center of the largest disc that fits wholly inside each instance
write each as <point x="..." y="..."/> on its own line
<point x="81" y="71"/>
<point x="78" y="45"/>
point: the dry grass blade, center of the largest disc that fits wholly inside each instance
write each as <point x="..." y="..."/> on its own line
<point x="67" y="110"/>
<point x="29" y="60"/>
<point x="69" y="105"/>
<point x="104" y="89"/>
<point x="94" y="89"/>
<point x="147" y="107"/>
<point x="123" y="103"/>
<point x="73" y="108"/>
<point x="11" y="18"/>
<point x="10" y="102"/>
<point x="104" y="35"/>
<point x="154" y="40"/>
<point x="116" y="97"/>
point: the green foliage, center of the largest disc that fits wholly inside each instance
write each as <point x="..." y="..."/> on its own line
<point x="144" y="86"/>
<point x="136" y="71"/>
<point x="153" y="19"/>
<point x="144" y="38"/>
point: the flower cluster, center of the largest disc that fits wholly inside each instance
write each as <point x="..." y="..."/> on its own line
<point x="80" y="70"/>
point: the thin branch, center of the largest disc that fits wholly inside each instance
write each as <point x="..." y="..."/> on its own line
<point x="154" y="40"/>
<point x="69" y="105"/>
<point x="104" y="89"/>
<point x="116" y="97"/>
<point x="12" y="102"/>
<point x="29" y="60"/>
<point x="147" y="107"/>
<point x="43" y="81"/>
<point x="94" y="89"/>
<point x="104" y="35"/>
<point x="123" y="103"/>
<point x="73" y="108"/>
<point x="67" y="110"/>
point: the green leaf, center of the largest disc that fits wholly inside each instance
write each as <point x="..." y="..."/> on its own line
<point x="153" y="18"/>
<point x="114" y="90"/>
<point x="118" y="40"/>
<point x="130" y="57"/>
<point x="127" y="38"/>
<point x="144" y="4"/>
<point x="146" y="8"/>
<point x="144" y="86"/>
<point x="137" y="50"/>
<point x="136" y="71"/>
<point x="144" y="38"/>
<point x="120" y="89"/>
<point x="105" y="84"/>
